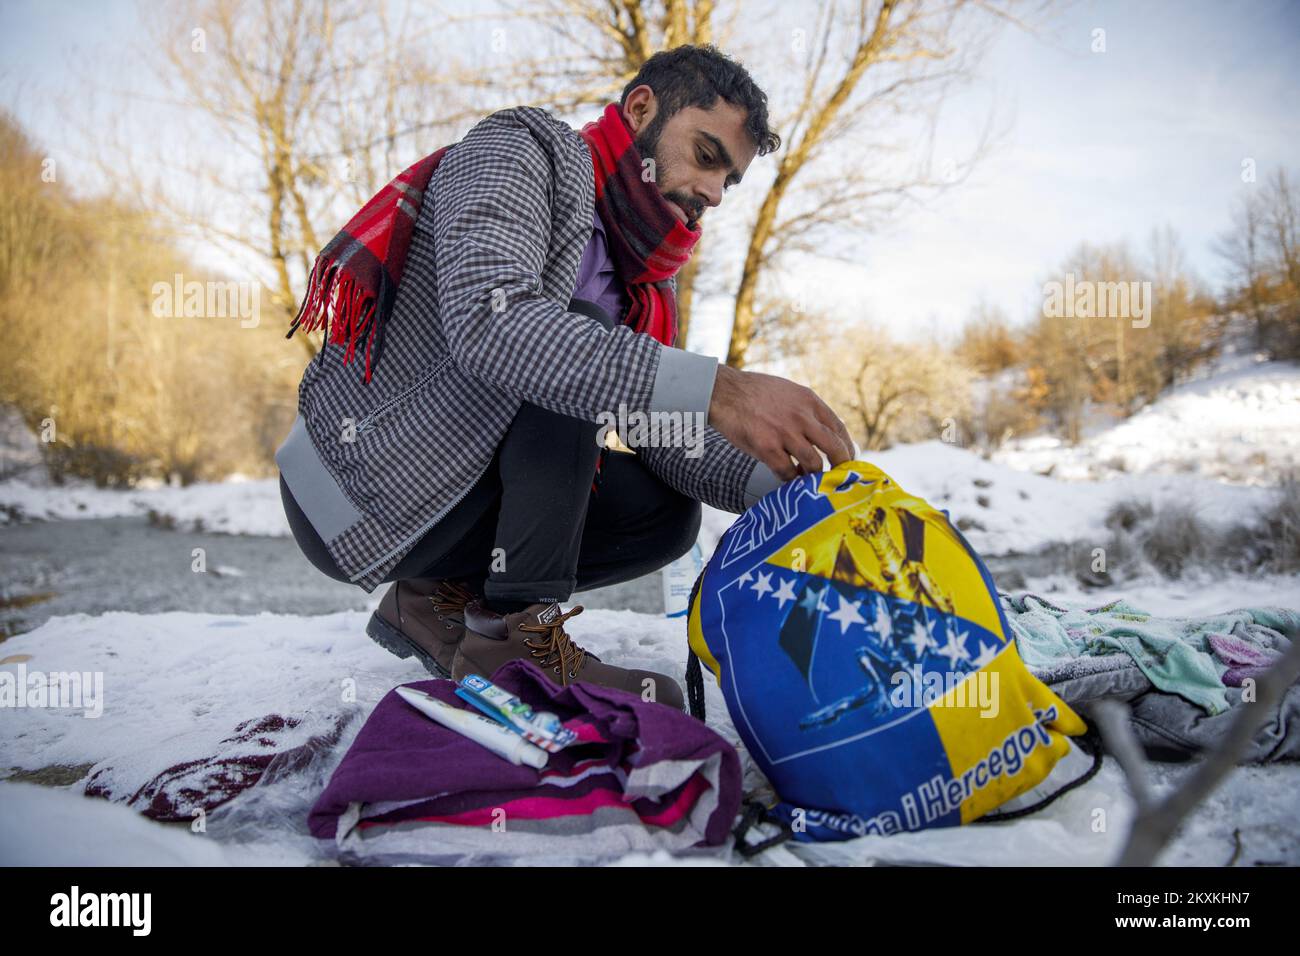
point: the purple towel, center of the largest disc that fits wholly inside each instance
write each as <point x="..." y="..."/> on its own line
<point x="645" y="777"/>
<point x="1244" y="660"/>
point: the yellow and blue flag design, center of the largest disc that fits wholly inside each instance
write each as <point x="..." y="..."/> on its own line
<point x="867" y="663"/>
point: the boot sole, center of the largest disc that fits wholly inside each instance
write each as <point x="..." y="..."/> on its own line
<point x="395" y="642"/>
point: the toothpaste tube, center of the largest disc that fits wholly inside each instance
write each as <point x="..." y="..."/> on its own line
<point x="502" y="741"/>
<point x="523" y="728"/>
<point x="543" y="729"/>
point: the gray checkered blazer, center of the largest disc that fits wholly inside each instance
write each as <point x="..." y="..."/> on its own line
<point x="479" y="326"/>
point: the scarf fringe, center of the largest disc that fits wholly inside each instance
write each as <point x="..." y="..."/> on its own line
<point x="332" y="291"/>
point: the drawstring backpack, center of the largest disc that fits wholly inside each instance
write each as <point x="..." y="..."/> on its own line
<point x="867" y="664"/>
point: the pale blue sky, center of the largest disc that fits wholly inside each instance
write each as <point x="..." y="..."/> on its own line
<point x="1101" y="146"/>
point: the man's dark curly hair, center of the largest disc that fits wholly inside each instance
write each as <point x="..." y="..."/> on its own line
<point x="697" y="76"/>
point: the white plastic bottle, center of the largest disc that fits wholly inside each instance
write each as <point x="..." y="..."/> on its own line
<point x="679" y="578"/>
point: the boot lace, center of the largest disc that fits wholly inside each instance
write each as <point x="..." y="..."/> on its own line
<point x="557" y="650"/>
<point x="451" y="597"/>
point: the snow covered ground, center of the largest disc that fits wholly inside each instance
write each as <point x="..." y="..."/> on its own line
<point x="176" y="685"/>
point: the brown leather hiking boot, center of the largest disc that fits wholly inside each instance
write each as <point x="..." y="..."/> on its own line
<point x="537" y="633"/>
<point x="423" y="617"/>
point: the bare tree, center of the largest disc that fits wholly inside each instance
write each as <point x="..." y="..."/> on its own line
<point x="901" y="59"/>
<point x="300" y="112"/>
<point x="1100" y="352"/>
<point x="882" y="60"/>
<point x="861" y="72"/>
<point x="988" y="343"/>
<point x="1263" y="247"/>
<point x="886" y="391"/>
<point x="592" y="48"/>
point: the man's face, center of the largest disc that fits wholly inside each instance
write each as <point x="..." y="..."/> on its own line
<point x="697" y="153"/>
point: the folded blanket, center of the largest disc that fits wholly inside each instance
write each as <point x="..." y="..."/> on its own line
<point x="1176" y="654"/>
<point x="646" y="777"/>
<point x="1161" y="667"/>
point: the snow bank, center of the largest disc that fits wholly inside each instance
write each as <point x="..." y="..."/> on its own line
<point x="44" y="826"/>
<point x="1002" y="510"/>
<point x="1238" y="423"/>
<point x="176" y="685"/>
<point x="236" y="506"/>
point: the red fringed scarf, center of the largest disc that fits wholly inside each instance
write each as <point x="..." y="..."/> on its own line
<point x="355" y="277"/>
<point x="636" y="215"/>
<point x="358" y="272"/>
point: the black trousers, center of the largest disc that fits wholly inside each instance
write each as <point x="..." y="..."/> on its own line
<point x="534" y="528"/>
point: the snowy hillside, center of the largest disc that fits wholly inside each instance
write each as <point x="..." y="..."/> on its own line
<point x="1003" y="510"/>
<point x="1237" y="422"/>
<point x="1216" y="444"/>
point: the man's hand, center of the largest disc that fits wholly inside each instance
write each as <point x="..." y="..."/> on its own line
<point x="773" y="419"/>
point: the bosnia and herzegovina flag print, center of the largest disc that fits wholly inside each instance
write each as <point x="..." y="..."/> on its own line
<point x="866" y="661"/>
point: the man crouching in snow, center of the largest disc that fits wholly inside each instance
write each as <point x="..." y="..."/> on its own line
<point x="536" y="305"/>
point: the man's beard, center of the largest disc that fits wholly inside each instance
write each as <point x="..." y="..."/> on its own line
<point x="647" y="144"/>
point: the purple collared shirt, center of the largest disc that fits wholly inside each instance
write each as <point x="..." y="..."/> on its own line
<point x="597" y="279"/>
<point x="598" y="282"/>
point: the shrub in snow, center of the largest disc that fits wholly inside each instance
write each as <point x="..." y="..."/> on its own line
<point x="1177" y="539"/>
<point x="1283" y="526"/>
<point x="1127" y="515"/>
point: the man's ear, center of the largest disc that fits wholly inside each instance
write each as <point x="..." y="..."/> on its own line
<point x="639" y="108"/>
